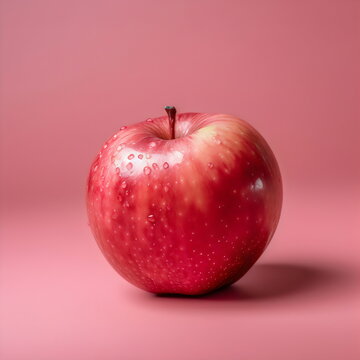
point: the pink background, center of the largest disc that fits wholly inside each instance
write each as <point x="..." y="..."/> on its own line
<point x="73" y="72"/>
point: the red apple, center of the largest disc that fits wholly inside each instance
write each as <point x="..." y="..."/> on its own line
<point x="184" y="205"/>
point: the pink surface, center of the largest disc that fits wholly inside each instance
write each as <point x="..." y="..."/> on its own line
<point x="73" y="72"/>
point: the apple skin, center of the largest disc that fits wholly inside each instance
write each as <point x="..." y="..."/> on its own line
<point x="186" y="215"/>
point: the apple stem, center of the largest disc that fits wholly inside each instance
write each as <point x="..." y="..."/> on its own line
<point x="171" y="112"/>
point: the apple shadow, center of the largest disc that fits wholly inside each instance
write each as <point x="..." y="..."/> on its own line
<point x="270" y="281"/>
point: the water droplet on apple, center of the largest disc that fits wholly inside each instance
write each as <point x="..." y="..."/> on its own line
<point x="140" y="156"/>
<point x="155" y="166"/>
<point x="147" y="170"/>
<point x="131" y="156"/>
<point x="166" y="165"/>
<point x="210" y="165"/>
<point x="151" y="218"/>
<point x="123" y="127"/>
<point x="149" y="120"/>
<point x="123" y="184"/>
<point x="95" y="168"/>
<point x="259" y="185"/>
<point x="152" y="144"/>
<point x="105" y="146"/>
<point x="129" y="166"/>
<point x="217" y="140"/>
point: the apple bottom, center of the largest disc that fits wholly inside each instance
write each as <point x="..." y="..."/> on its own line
<point x="188" y="285"/>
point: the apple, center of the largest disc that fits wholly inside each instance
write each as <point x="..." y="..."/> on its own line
<point x="186" y="203"/>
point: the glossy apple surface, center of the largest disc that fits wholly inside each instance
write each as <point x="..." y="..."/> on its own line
<point x="185" y="215"/>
